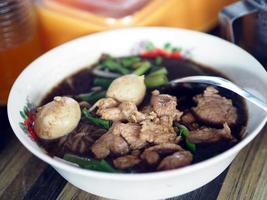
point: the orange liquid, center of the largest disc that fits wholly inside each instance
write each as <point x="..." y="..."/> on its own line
<point x="13" y="61"/>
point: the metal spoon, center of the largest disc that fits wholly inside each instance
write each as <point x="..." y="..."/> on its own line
<point x="221" y="82"/>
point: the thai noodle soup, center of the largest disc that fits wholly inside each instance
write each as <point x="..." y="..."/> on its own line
<point x="121" y="115"/>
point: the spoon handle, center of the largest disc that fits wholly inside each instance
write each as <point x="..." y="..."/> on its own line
<point x="242" y="92"/>
<point x="252" y="98"/>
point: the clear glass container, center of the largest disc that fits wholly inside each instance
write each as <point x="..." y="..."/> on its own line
<point x="19" y="43"/>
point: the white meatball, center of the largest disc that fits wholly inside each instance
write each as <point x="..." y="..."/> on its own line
<point x="57" y="118"/>
<point x="128" y="88"/>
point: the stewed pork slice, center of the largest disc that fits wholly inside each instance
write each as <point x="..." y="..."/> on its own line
<point x="158" y="131"/>
<point x="105" y="103"/>
<point x="176" y="160"/>
<point x="108" y="143"/>
<point x="215" y="109"/>
<point x="125" y="162"/>
<point x="165" y="105"/>
<point x="152" y="154"/>
<point x="151" y="157"/>
<point x="131" y="133"/>
<point x="210" y="135"/>
<point x="113" y="114"/>
<point x="130" y="112"/>
<point x="125" y="111"/>
<point x="165" y="149"/>
<point x="189" y="120"/>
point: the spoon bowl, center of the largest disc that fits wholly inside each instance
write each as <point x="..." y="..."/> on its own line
<point x="224" y="83"/>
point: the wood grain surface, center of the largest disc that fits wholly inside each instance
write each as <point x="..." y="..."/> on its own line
<point x="24" y="176"/>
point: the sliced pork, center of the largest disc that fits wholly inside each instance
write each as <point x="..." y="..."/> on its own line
<point x="214" y="109"/>
<point x="210" y="135"/>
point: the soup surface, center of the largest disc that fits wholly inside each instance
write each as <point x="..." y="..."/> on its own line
<point x="142" y="145"/>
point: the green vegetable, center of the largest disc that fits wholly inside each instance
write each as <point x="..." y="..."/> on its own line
<point x="129" y="61"/>
<point x="97" y="165"/>
<point x="106" y="124"/>
<point x="184" y="133"/>
<point x="102" y="82"/>
<point x="161" y="70"/>
<point x="115" y="66"/>
<point x="156" y="80"/>
<point x="101" y="165"/>
<point x="92" y="97"/>
<point x="158" y="60"/>
<point x="144" y="66"/>
<point x="77" y="160"/>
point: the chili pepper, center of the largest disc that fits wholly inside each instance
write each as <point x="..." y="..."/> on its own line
<point x="161" y="52"/>
<point x="175" y="55"/>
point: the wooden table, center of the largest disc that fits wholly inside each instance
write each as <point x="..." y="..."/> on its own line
<point x="24" y="176"/>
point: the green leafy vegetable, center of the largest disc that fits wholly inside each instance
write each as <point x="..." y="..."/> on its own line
<point x="156" y="80"/>
<point x="102" y="82"/>
<point x="184" y="133"/>
<point x="161" y="70"/>
<point x="143" y="67"/>
<point x="158" y="60"/>
<point x="130" y="61"/>
<point x="92" y="97"/>
<point x="106" y="124"/>
<point x="112" y="65"/>
<point x="97" y="165"/>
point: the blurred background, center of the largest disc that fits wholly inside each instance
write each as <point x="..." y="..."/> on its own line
<point x="29" y="28"/>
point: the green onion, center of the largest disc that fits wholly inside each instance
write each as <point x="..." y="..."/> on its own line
<point x="77" y="159"/>
<point x="158" y="60"/>
<point x="102" y="82"/>
<point x="162" y="70"/>
<point x="129" y="61"/>
<point x="156" y="80"/>
<point x="184" y="133"/>
<point x="154" y="68"/>
<point x="144" y="66"/>
<point x="92" y="97"/>
<point x="114" y="66"/>
<point x="97" y="165"/>
<point x="101" y="165"/>
<point x="106" y="124"/>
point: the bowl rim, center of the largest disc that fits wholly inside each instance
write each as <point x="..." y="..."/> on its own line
<point x="120" y="176"/>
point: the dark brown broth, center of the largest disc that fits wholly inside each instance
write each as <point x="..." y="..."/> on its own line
<point x="81" y="82"/>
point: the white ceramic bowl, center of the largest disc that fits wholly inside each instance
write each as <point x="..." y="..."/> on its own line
<point x="46" y="71"/>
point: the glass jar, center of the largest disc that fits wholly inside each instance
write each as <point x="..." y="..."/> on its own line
<point x="19" y="42"/>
